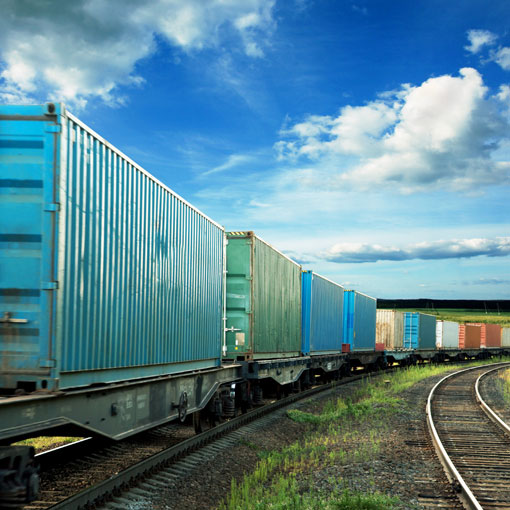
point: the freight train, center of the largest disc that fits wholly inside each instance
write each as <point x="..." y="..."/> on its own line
<point x="123" y="307"/>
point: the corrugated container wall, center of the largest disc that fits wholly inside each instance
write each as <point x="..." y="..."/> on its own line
<point x="112" y="275"/>
<point x="322" y="314"/>
<point x="447" y="335"/>
<point x="490" y="334"/>
<point x="470" y="336"/>
<point x="360" y="314"/>
<point x="263" y="300"/>
<point x="390" y="329"/>
<point x="419" y="331"/>
<point x="505" y="337"/>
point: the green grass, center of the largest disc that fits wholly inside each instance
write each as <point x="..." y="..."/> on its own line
<point x="46" y="442"/>
<point x="341" y="433"/>
<point x="461" y="315"/>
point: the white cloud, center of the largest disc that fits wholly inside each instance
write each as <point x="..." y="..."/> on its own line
<point x="75" y="50"/>
<point x="436" y="250"/>
<point x="442" y="134"/>
<point x="502" y="58"/>
<point x="478" y="39"/>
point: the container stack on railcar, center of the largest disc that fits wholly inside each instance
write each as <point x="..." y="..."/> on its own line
<point x="419" y="331"/>
<point x="470" y="336"/>
<point x="390" y="329"/>
<point x="447" y="335"/>
<point x="263" y="300"/>
<point x="322" y="314"/>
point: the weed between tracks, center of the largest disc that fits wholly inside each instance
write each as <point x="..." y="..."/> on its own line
<point x="340" y="434"/>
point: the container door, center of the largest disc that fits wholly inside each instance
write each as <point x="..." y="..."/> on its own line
<point x="239" y="298"/>
<point x="28" y="222"/>
<point x="411" y="326"/>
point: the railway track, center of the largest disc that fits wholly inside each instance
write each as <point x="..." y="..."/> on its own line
<point x="141" y="464"/>
<point x="472" y="443"/>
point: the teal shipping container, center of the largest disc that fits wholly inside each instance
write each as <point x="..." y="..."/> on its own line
<point x="322" y="314"/>
<point x="105" y="273"/>
<point x="360" y="314"/>
<point x="263" y="300"/>
<point x="419" y="331"/>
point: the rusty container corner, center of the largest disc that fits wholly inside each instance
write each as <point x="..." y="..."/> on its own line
<point x="106" y="274"/>
<point x="263" y="300"/>
<point x="390" y="329"/>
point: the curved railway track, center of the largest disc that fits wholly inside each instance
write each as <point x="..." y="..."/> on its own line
<point x="106" y="472"/>
<point x="474" y="448"/>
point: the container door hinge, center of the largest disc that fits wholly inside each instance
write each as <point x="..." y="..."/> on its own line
<point x="53" y="128"/>
<point x="47" y="363"/>
<point x="52" y="207"/>
<point x="49" y="285"/>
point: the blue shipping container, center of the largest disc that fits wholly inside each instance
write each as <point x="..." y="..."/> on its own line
<point x="360" y="314"/>
<point x="419" y="331"/>
<point x="106" y="274"/>
<point x="322" y="314"/>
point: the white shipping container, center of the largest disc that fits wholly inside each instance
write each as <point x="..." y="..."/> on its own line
<point x="390" y="329"/>
<point x="505" y="337"/>
<point x="447" y="335"/>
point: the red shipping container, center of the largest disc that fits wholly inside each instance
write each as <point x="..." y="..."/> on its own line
<point x="346" y="347"/>
<point x="491" y="334"/>
<point x="379" y="346"/>
<point x="470" y="336"/>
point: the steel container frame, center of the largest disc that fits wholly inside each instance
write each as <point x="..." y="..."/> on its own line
<point x="263" y="300"/>
<point x="107" y="274"/>
<point x="322" y="314"/>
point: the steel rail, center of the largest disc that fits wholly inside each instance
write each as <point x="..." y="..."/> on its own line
<point x="486" y="408"/>
<point x="467" y="496"/>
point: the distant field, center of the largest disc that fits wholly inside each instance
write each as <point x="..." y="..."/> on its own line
<point x="459" y="315"/>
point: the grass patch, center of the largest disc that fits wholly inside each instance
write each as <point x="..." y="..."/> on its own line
<point x="343" y="433"/>
<point x="460" y="315"/>
<point x="44" y="443"/>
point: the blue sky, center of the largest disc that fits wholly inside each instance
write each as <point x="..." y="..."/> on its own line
<point x="369" y="140"/>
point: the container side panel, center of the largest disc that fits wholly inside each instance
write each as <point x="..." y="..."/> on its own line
<point x="326" y="322"/>
<point x="505" y="337"/>
<point x="276" y="303"/>
<point x="450" y="335"/>
<point x="365" y="315"/>
<point x="473" y="336"/>
<point x="390" y="329"/>
<point x="439" y="334"/>
<point x="306" y="310"/>
<point x="140" y="270"/>
<point x="348" y="326"/>
<point x="28" y="220"/>
<point x="427" y="331"/>
<point x="493" y="335"/>
<point x="411" y="330"/>
<point x="239" y="297"/>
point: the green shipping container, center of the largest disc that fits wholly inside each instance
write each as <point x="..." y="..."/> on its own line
<point x="263" y="300"/>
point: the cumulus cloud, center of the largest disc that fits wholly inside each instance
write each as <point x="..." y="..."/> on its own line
<point x="502" y="58"/>
<point x="478" y="39"/>
<point x="75" y="50"/>
<point x="436" y="250"/>
<point x="442" y="134"/>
